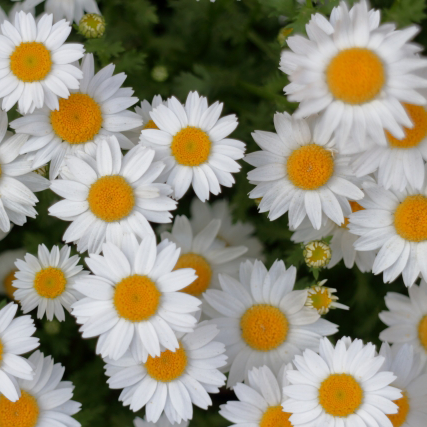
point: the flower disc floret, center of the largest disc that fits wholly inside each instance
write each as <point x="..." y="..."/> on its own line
<point x="191" y="146"/>
<point x="8" y="284"/>
<point x="50" y="282"/>
<point x="410" y="218"/>
<point x="275" y="417"/>
<point x="404" y="407"/>
<point x="1" y="351"/>
<point x="422" y="332"/>
<point x="23" y="413"/>
<point x="203" y="272"/>
<point x="168" y="366"/>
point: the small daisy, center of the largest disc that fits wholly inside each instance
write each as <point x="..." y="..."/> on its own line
<point x="192" y="141"/>
<point x="45" y="401"/>
<point x="260" y="400"/>
<point x="172" y="381"/>
<point x="262" y="320"/>
<point x="15" y="339"/>
<point x="341" y="387"/>
<point x="317" y="254"/>
<point x="407" y="318"/>
<point x="322" y="298"/>
<point x="110" y="195"/>
<point x="133" y="301"/>
<point x="162" y="422"/>
<point x="35" y="64"/>
<point x="71" y="10"/>
<point x="296" y="173"/>
<point x="48" y="282"/>
<point x="8" y="270"/>
<point x="99" y="107"/>
<point x="355" y="73"/>
<point x="199" y="252"/>
<point x="408" y="367"/>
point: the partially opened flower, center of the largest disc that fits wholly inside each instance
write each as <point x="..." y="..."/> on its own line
<point x="8" y="270"/>
<point x="322" y="299"/>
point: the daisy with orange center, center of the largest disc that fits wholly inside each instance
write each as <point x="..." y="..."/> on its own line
<point x="8" y="270"/>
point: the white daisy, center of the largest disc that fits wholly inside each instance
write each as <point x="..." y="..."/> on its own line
<point x="173" y="381"/>
<point x="162" y="422"/>
<point x="99" y="107"/>
<point x="408" y="367"/>
<point x="8" y="270"/>
<point x="341" y="387"/>
<point x="262" y="320"/>
<point x="35" y="64"/>
<point x="193" y="143"/>
<point x="133" y="301"/>
<point x="407" y="318"/>
<point x="48" y="282"/>
<point x="322" y="299"/>
<point x="15" y="339"/>
<point x="354" y="72"/>
<point x="71" y="10"/>
<point x="111" y="195"/>
<point x="45" y="401"/>
<point x="201" y="253"/>
<point x="396" y="224"/>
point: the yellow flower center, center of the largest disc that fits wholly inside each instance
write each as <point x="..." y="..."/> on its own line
<point x="340" y="395"/>
<point x="111" y="198"/>
<point x="50" y="282"/>
<point x="22" y="413"/>
<point x="422" y="332"/>
<point x="310" y="166"/>
<point x="355" y="75"/>
<point x="78" y="119"/>
<point x="150" y="125"/>
<point x="203" y="272"/>
<point x="30" y="62"/>
<point x="275" y="417"/>
<point x="264" y="327"/>
<point x="1" y="351"/>
<point x="7" y="284"/>
<point x="136" y="298"/>
<point x="399" y="419"/>
<point x="355" y="207"/>
<point x="191" y="146"/>
<point x="410" y="218"/>
<point x="413" y="136"/>
<point x="168" y="366"/>
<point x="320" y="298"/>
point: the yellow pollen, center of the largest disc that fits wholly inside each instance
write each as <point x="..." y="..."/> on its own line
<point x="30" y="62"/>
<point x="399" y="419"/>
<point x="340" y="395"/>
<point x="168" y="366"/>
<point x="264" y="327"/>
<point x="310" y="166"/>
<point x="275" y="417"/>
<point x="150" y="125"/>
<point x="203" y="272"/>
<point x="410" y="218"/>
<point x="78" y="119"/>
<point x="111" y="198"/>
<point x="355" y="76"/>
<point x="422" y="332"/>
<point x="355" y="207"/>
<point x="320" y="298"/>
<point x="191" y="146"/>
<point x="7" y="283"/>
<point x="23" y="413"/>
<point x="413" y="136"/>
<point x="136" y="298"/>
<point x="50" y="282"/>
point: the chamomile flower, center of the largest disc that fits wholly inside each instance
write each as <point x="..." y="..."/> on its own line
<point x="97" y="108"/>
<point x="162" y="422"/>
<point x="201" y="253"/>
<point x="48" y="282"/>
<point x="172" y="381"/>
<point x="45" y="401"/>
<point x="317" y="254"/>
<point x="192" y="141"/>
<point x="36" y="66"/>
<point x="355" y="73"/>
<point x="8" y="270"/>
<point x="340" y="387"/>
<point x="295" y="172"/>
<point x="15" y="339"/>
<point x="133" y="301"/>
<point x="322" y="299"/>
<point x="71" y="10"/>
<point x="262" y="320"/>
<point x="111" y="195"/>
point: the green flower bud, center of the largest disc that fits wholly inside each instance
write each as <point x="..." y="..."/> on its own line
<point x="92" y="26"/>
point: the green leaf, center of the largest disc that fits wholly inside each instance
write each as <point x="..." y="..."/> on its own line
<point x="405" y="12"/>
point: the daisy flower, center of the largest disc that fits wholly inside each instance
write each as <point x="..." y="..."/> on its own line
<point x="36" y="65"/>
<point x="48" y="282"/>
<point x="260" y="400"/>
<point x="408" y="367"/>
<point x="340" y="387"/>
<point x="15" y="339"/>
<point x="200" y="252"/>
<point x="355" y="73"/>
<point x="192" y="141"/>
<point x="322" y="299"/>
<point x="162" y="422"/>
<point x="262" y="320"/>
<point x="172" y="381"/>
<point x="133" y="300"/>
<point x="111" y="195"/>
<point x="294" y="172"/>
<point x="71" y="10"/>
<point x="97" y="108"/>
<point x="45" y="401"/>
<point x="8" y="270"/>
<point x="407" y="318"/>
<point x="317" y="254"/>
